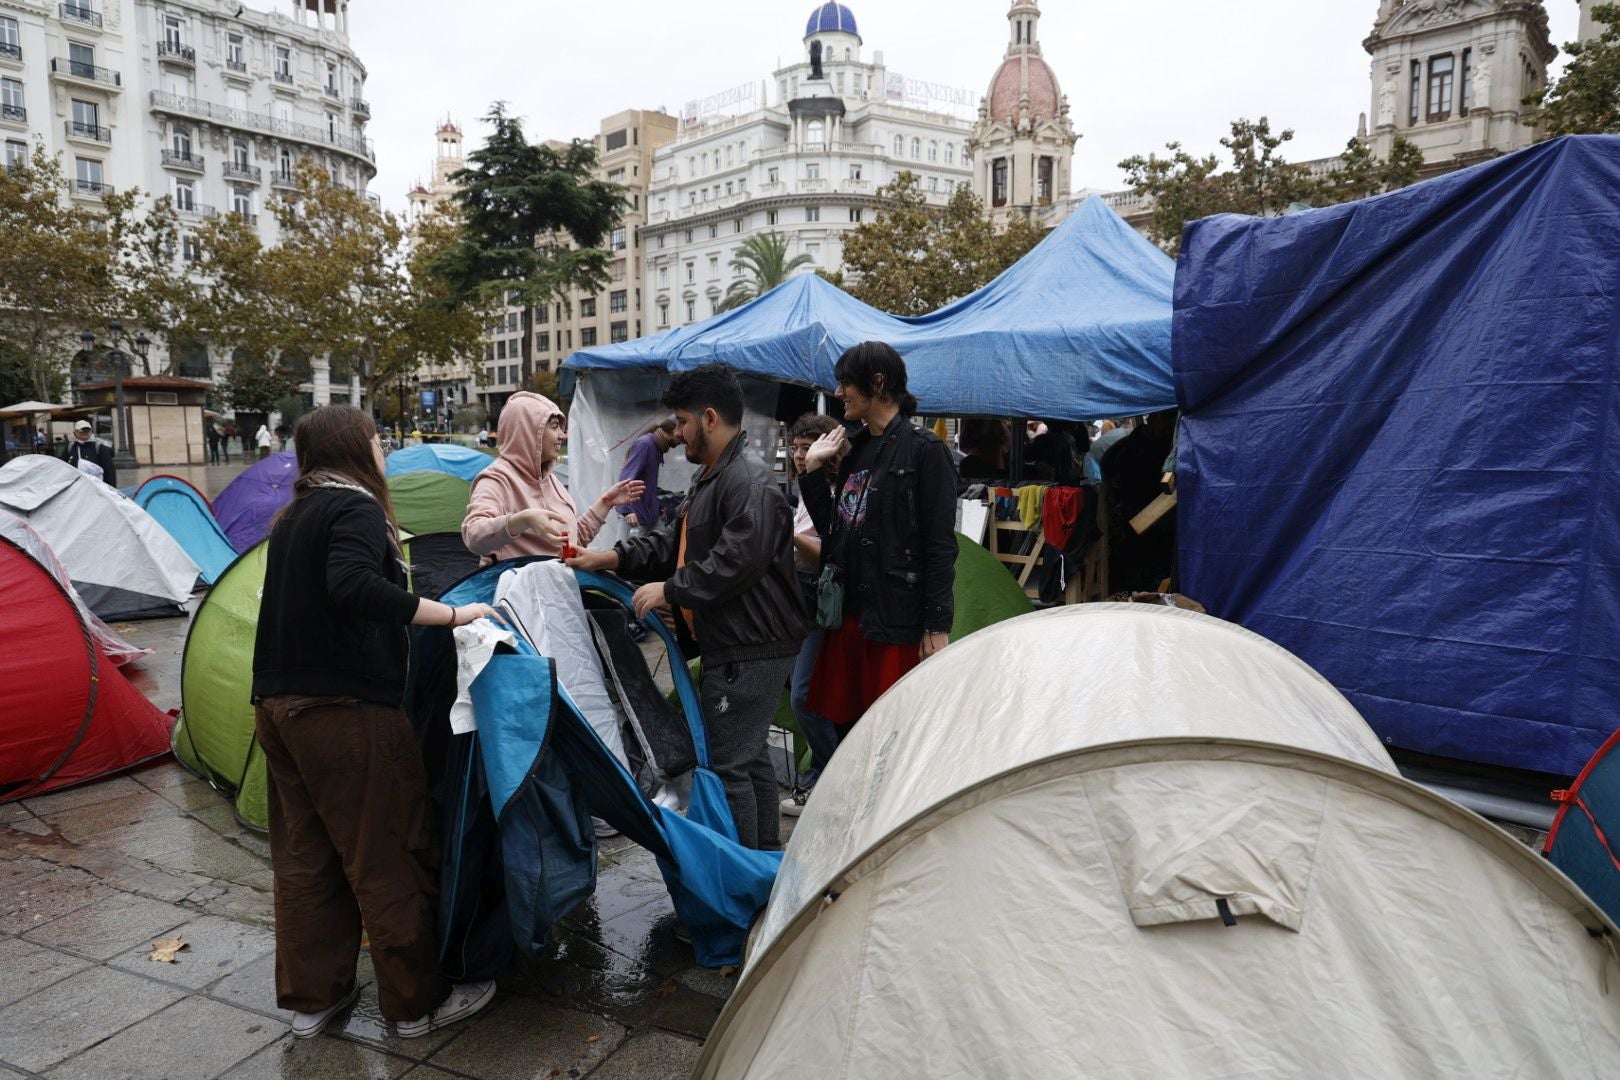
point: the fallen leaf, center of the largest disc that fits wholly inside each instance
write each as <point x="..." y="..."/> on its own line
<point x="593" y="1038"/>
<point x="163" y="949"/>
<point x="666" y="988"/>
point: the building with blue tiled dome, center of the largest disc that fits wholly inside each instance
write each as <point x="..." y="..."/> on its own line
<point x="802" y="157"/>
<point x="831" y="18"/>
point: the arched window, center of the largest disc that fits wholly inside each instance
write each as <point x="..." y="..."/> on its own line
<point x="899" y="145"/>
<point x="180" y="141"/>
<point x="816" y="133"/>
<point x="846" y="52"/>
<point x="916" y="148"/>
<point x="933" y="150"/>
<point x="193" y="362"/>
<point x="950" y="153"/>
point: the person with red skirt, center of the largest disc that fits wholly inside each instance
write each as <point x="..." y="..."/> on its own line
<point x="888" y="518"/>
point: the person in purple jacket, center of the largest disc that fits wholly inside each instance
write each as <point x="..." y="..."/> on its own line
<point x="642" y="462"/>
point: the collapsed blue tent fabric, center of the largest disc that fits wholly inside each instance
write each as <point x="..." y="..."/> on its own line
<point x="1077" y="329"/>
<point x="184" y="515"/>
<point x="1401" y="453"/>
<point x="518" y="794"/>
<point x="462" y="461"/>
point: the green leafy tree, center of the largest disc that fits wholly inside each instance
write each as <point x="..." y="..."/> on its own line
<point x="533" y="221"/>
<point x="58" y="262"/>
<point x="1258" y="181"/>
<point x="764" y="262"/>
<point x="154" y="290"/>
<point x="1586" y="98"/>
<point x="913" y="258"/>
<point x="1359" y="173"/>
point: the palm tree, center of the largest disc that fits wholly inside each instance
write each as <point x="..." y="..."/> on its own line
<point x="764" y="260"/>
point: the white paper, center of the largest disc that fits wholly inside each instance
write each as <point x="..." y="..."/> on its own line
<point x="475" y="645"/>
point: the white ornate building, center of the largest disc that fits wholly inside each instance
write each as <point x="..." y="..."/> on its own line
<point x="806" y="167"/>
<point x="1023" y="143"/>
<point x="202" y="100"/>
<point x="1450" y="76"/>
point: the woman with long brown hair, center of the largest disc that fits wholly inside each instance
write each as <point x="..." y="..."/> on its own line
<point x="351" y="842"/>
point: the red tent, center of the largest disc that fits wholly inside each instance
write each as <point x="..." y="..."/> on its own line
<point x="67" y="714"/>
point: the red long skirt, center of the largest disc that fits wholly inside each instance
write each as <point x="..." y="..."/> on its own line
<point x="852" y="672"/>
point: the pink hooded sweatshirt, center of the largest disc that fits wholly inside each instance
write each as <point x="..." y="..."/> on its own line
<point x="517" y="481"/>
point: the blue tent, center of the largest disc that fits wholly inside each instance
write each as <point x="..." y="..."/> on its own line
<point x="462" y="461"/>
<point x="1077" y="329"/>
<point x="516" y="798"/>
<point x="184" y="514"/>
<point x="1400" y="458"/>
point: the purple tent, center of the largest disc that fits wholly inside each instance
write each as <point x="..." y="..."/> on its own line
<point x="247" y="504"/>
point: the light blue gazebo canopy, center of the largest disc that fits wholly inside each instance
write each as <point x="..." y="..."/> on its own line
<point x="1078" y="329"/>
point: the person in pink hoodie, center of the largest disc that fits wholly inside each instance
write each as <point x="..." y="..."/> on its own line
<point x="518" y="506"/>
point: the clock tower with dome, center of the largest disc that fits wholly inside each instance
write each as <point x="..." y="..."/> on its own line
<point x="1023" y="142"/>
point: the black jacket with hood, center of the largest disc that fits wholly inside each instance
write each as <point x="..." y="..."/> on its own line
<point x="738" y="581"/>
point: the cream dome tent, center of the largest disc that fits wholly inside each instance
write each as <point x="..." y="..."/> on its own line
<point x="1117" y="841"/>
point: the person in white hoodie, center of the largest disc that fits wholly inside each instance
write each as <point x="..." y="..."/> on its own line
<point x="263" y="440"/>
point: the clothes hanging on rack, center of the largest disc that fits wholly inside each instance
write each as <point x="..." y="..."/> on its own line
<point x="1060" y="513"/>
<point x="1030" y="498"/>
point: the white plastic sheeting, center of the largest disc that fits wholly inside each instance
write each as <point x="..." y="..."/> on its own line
<point x="611" y="407"/>
<point x="120" y="559"/>
<point x="545" y="598"/>
<point x="1023" y="860"/>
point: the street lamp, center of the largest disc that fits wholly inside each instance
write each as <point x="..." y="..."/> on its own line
<point x="118" y="362"/>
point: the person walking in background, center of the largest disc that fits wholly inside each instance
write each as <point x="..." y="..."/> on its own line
<point x="887" y="518"/>
<point x="518" y="506"/>
<point x="351" y="838"/>
<point x="642" y="462"/>
<point x="726" y="570"/>
<point x="90" y="455"/>
<point x="213" y="444"/>
<point x="263" y="439"/>
<point x="817" y="730"/>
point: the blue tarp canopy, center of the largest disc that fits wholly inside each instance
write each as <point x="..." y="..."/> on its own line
<point x="1077" y="329"/>
<point x="1401" y="453"/>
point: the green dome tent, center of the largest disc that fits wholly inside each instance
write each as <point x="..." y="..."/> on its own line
<point x="429" y="502"/>
<point x="214" y="737"/>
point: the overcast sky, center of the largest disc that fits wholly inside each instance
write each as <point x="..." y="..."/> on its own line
<point x="1137" y="75"/>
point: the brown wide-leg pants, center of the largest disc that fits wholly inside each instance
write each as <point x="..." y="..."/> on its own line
<point x="350" y="840"/>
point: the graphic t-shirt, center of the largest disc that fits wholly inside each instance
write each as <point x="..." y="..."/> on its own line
<point x="853" y="499"/>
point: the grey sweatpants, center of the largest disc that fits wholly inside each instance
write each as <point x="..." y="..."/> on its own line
<point x="739" y="701"/>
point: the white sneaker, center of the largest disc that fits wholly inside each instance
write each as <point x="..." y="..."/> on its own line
<point x="793" y="805"/>
<point x="306" y="1025"/>
<point x="464" y="1000"/>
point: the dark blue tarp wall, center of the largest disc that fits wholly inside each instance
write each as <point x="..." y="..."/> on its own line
<point x="1401" y="452"/>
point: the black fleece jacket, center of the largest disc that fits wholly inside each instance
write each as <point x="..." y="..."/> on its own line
<point x="334" y="610"/>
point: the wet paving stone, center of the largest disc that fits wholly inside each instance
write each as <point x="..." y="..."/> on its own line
<point x="76" y="1013"/>
<point x="26" y="968"/>
<point x="252" y="986"/>
<point x="80" y="823"/>
<point x="321" y="1058"/>
<point x="655" y="1056"/>
<point x="215" y="948"/>
<point x="527" y="1038"/>
<point x="194" y="1039"/>
<point x="110" y="926"/>
<point x="103" y="791"/>
<point x="50" y="896"/>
